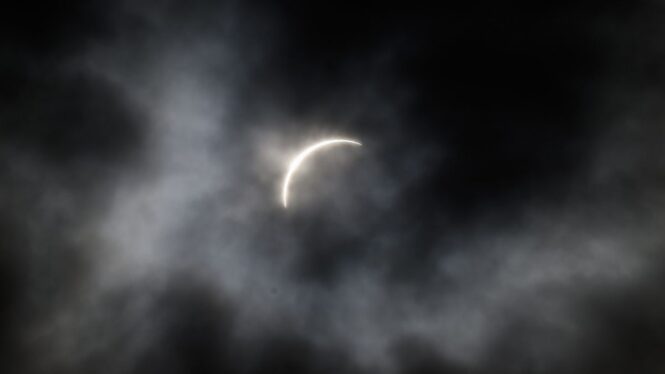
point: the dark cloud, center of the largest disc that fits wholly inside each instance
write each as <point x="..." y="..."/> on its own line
<point x="504" y="214"/>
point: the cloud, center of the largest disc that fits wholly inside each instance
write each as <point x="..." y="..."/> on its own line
<point x="503" y="214"/>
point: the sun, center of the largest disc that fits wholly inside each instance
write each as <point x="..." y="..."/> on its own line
<point x="300" y="158"/>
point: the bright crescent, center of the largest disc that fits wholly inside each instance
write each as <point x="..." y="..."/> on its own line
<point x="298" y="160"/>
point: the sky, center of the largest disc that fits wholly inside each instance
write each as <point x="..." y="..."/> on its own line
<point x="504" y="214"/>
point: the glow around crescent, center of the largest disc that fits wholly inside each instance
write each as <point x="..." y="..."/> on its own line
<point x="298" y="160"/>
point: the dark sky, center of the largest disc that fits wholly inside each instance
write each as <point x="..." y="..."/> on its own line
<point x="505" y="213"/>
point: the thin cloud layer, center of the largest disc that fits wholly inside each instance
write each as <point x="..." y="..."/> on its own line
<point x="503" y="215"/>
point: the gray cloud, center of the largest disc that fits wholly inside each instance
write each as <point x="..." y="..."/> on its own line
<point x="145" y="234"/>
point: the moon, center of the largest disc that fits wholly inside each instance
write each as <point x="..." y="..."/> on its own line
<point x="298" y="160"/>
